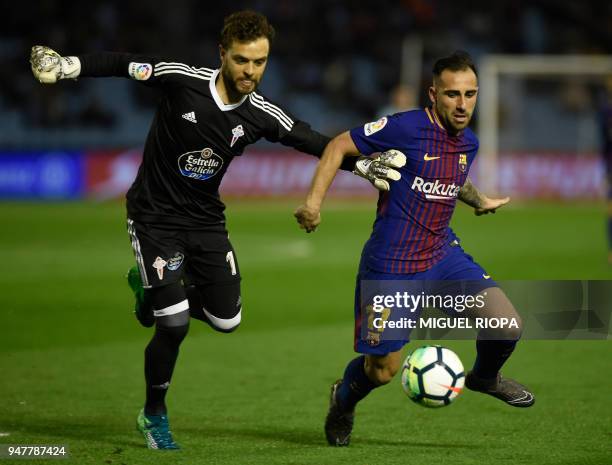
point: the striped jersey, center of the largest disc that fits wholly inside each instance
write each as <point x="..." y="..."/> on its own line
<point x="194" y="137"/>
<point x="411" y="232"/>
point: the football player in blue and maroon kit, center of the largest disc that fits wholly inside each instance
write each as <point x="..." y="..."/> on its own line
<point x="411" y="239"/>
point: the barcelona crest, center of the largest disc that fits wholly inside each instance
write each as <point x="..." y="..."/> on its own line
<point x="462" y="162"/>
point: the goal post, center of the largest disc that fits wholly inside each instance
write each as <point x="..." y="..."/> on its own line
<point x="492" y="68"/>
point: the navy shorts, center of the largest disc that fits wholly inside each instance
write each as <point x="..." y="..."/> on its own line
<point x="457" y="268"/>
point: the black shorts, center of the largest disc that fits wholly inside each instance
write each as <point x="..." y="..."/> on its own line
<point x="165" y="256"/>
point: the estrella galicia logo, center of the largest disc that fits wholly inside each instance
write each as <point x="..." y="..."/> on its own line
<point x="176" y="261"/>
<point x="200" y="164"/>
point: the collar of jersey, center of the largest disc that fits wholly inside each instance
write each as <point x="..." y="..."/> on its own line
<point x="433" y="117"/>
<point x="215" y="95"/>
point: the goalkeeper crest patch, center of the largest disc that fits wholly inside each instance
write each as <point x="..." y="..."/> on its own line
<point x="374" y="126"/>
<point x="140" y="71"/>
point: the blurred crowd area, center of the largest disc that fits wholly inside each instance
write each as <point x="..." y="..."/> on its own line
<point x="334" y="63"/>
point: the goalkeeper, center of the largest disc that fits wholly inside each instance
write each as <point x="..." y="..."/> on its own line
<point x="175" y="216"/>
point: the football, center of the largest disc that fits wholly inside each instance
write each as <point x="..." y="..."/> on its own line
<point x="433" y="376"/>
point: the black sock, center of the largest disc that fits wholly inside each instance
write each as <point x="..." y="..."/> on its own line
<point x="355" y="384"/>
<point x="491" y="355"/>
<point x="160" y="358"/>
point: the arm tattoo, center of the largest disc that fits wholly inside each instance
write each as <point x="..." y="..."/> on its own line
<point x="470" y="195"/>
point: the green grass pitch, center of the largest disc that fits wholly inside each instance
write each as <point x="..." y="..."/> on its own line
<point x="71" y="351"/>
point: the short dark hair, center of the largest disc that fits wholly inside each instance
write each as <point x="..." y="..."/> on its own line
<point x="458" y="61"/>
<point x="245" y="26"/>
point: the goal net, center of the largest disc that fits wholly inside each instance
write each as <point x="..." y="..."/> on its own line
<point x="539" y="124"/>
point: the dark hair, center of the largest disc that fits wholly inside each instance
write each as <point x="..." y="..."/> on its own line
<point x="245" y="26"/>
<point x="458" y="61"/>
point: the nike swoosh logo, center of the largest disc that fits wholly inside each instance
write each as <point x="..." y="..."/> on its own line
<point x="527" y="398"/>
<point x="452" y="388"/>
<point x="426" y="157"/>
<point x="486" y="276"/>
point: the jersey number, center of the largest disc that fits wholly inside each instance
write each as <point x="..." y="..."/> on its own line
<point x="229" y="258"/>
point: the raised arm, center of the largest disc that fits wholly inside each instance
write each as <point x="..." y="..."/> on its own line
<point x="308" y="215"/>
<point x="48" y="66"/>
<point x="482" y="204"/>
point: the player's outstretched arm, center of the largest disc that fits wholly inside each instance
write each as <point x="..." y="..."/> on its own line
<point x="309" y="215"/>
<point x="482" y="204"/>
<point x="378" y="169"/>
<point x="49" y="67"/>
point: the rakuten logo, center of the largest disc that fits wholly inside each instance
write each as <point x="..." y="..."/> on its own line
<point x="436" y="189"/>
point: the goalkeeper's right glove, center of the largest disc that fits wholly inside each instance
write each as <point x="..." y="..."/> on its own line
<point x="49" y="67"/>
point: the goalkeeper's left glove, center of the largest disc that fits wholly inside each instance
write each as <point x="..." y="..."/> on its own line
<point x="379" y="169"/>
<point x="49" y="67"/>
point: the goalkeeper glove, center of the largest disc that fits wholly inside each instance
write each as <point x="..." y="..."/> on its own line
<point x="379" y="169"/>
<point x="49" y="67"/>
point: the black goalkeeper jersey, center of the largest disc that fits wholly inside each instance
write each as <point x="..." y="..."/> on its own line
<point x="193" y="138"/>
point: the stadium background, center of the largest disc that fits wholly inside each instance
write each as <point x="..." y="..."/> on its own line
<point x="70" y="350"/>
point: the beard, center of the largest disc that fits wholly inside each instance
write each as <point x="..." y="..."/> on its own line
<point x="232" y="86"/>
<point x="449" y="122"/>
